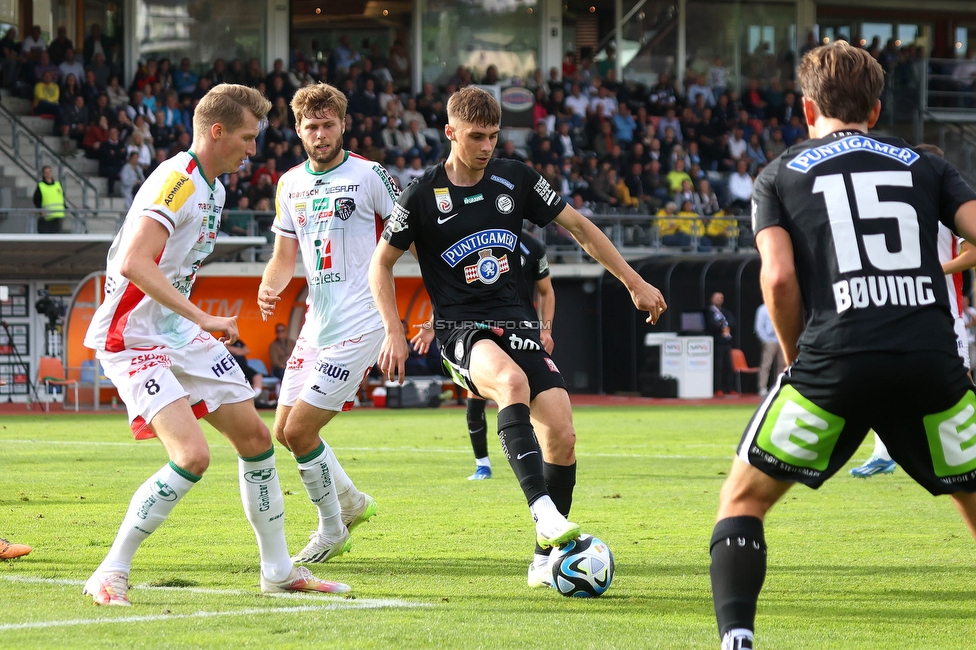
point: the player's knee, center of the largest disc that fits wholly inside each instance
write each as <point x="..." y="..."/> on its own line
<point x="194" y="460"/>
<point x="512" y="383"/>
<point x="562" y="446"/>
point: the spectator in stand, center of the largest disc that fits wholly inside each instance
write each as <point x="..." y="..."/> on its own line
<point x="370" y="151"/>
<point x="345" y="55"/>
<point x="414" y="171"/>
<point x="131" y="178"/>
<point x="669" y="121"/>
<point x="145" y="75"/>
<point x="577" y="105"/>
<point x="280" y="350"/>
<point x="604" y="141"/>
<point x="398" y="172"/>
<point x="59" y="46"/>
<point x="686" y="194"/>
<point x="270" y="167"/>
<point x="627" y="199"/>
<point x="49" y="198"/>
<point x="172" y="111"/>
<point x="604" y="186"/>
<point x="117" y="97"/>
<point x="253" y="74"/>
<point x="656" y="183"/>
<point x="394" y="144"/>
<point x="185" y="79"/>
<point x="111" y="158"/>
<point x="509" y="152"/>
<point x="755" y="153"/>
<point x="365" y="102"/>
<point x="277" y="88"/>
<point x="182" y="143"/>
<point x="399" y="62"/>
<point x="662" y="96"/>
<point x="776" y="145"/>
<point x="164" y="75"/>
<point x="95" y="135"/>
<point x="233" y="192"/>
<point x="33" y="45"/>
<point x="218" y="73"/>
<point x="69" y="90"/>
<point x="96" y="43"/>
<point x="674" y="231"/>
<point x="624" y="125"/>
<point x="140" y="147"/>
<point x="740" y="186"/>
<point x="125" y="127"/>
<point x="299" y="76"/>
<point x="261" y="188"/>
<point x="677" y="176"/>
<point x="47" y="95"/>
<point x="44" y="65"/>
<point x="604" y="104"/>
<point x="705" y="200"/>
<point x="701" y="89"/>
<point x="287" y="118"/>
<point x="738" y="144"/>
<point x="12" y="60"/>
<point x="419" y="145"/>
<point x="71" y="66"/>
<point x="677" y="151"/>
<point x="90" y="89"/>
<point x="163" y="136"/>
<point x="75" y="119"/>
<point x="563" y="142"/>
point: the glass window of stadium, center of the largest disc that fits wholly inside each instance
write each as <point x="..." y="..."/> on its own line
<point x="202" y="31"/>
<point x="476" y="34"/>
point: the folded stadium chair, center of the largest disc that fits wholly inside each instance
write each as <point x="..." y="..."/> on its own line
<point x="739" y="366"/>
<point x="270" y="382"/>
<point x="51" y="372"/>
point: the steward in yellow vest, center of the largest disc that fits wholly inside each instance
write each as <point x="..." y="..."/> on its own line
<point x="49" y="197"/>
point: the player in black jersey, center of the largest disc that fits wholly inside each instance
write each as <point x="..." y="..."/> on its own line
<point x="536" y="282"/>
<point x="846" y="225"/>
<point x="464" y="218"/>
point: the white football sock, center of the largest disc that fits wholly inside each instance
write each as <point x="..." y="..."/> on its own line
<point x="543" y="509"/>
<point x="349" y="496"/>
<point x="319" y="476"/>
<point x="737" y="639"/>
<point x="264" y="506"/>
<point x="149" y="507"/>
<point x="879" y="448"/>
<point x="482" y="462"/>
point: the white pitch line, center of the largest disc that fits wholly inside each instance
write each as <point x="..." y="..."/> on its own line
<point x="418" y="450"/>
<point x="195" y="590"/>
<point x="339" y="604"/>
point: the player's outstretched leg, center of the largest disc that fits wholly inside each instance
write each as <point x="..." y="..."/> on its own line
<point x="523" y="453"/>
<point x="148" y="509"/>
<point x="879" y="462"/>
<point x="478" y="431"/>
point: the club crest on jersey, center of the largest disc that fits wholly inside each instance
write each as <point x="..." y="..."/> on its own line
<point x="487" y="269"/>
<point x="344" y="207"/>
<point x="442" y="196"/>
<point x="505" y="203"/>
<point x="483" y="239"/>
<point x="300" y="214"/>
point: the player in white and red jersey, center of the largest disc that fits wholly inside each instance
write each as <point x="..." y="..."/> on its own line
<point x="156" y="348"/>
<point x="333" y="209"/>
<point x="956" y="255"/>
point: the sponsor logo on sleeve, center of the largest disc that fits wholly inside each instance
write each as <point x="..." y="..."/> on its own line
<point x="442" y="196"/>
<point x="176" y="189"/>
<point x="504" y="181"/>
<point x="545" y="191"/>
<point x="398" y="218"/>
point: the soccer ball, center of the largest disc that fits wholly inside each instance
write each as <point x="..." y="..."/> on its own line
<point x="583" y="568"/>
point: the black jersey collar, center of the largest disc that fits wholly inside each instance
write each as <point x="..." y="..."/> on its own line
<point x="844" y="133"/>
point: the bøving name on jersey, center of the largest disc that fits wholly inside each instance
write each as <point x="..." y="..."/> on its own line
<point x="880" y="290"/>
<point x="478" y="241"/>
<point x="813" y="157"/>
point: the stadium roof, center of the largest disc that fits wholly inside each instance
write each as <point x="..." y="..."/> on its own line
<point x="66" y="257"/>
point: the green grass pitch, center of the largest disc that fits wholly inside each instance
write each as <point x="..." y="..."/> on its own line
<point x="858" y="564"/>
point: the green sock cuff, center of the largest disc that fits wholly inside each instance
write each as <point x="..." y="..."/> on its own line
<point x="266" y="455"/>
<point x="192" y="478"/>
<point x="309" y="457"/>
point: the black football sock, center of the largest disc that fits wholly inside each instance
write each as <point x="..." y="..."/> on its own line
<point x="478" y="427"/>
<point x="560" y="481"/>
<point x="522" y="450"/>
<point x="738" y="550"/>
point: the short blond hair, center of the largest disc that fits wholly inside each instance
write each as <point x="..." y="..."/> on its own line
<point x="474" y="106"/>
<point x="845" y="82"/>
<point x="316" y="99"/>
<point x="226" y="104"/>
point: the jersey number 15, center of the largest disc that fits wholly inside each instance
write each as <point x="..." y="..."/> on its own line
<point x="869" y="206"/>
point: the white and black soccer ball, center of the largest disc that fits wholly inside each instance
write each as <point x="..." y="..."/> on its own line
<point x="583" y="568"/>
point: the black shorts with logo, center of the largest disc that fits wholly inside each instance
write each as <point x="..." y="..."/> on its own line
<point x="522" y="345"/>
<point x="921" y="404"/>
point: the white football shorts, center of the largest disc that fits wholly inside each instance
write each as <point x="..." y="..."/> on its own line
<point x="962" y="342"/>
<point x="150" y="378"/>
<point x="329" y="378"/>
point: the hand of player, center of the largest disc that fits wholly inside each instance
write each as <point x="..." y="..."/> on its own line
<point x="422" y="339"/>
<point x="647" y="298"/>
<point x="545" y="337"/>
<point x="267" y="301"/>
<point x="393" y="357"/>
<point x="227" y="326"/>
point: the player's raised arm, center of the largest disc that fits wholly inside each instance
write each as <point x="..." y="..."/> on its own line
<point x="277" y="274"/>
<point x="139" y="266"/>
<point x="645" y="296"/>
<point x="394" y="353"/>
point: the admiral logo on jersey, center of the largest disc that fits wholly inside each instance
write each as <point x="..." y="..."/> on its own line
<point x="176" y="190"/>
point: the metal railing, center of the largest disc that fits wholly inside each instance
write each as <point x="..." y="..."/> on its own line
<point x="29" y="152"/>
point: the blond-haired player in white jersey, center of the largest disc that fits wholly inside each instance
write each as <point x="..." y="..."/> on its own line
<point x="332" y="208"/>
<point x="157" y="349"/>
<point x="956" y="255"/>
